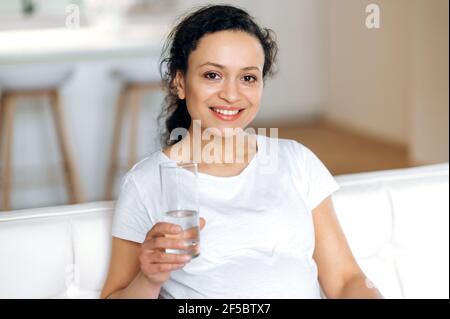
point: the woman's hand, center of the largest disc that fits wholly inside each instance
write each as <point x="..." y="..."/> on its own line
<point x="155" y="263"/>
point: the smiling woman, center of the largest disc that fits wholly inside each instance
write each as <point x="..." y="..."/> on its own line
<point x="227" y="94"/>
<point x="271" y="230"/>
<point x="203" y="76"/>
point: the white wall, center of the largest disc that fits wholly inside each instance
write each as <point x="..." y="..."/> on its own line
<point x="429" y="100"/>
<point x="368" y="69"/>
<point x="390" y="83"/>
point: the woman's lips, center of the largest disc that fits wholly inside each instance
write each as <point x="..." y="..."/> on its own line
<point x="227" y="117"/>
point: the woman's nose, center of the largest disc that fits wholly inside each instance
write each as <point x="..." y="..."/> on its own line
<point x="230" y="92"/>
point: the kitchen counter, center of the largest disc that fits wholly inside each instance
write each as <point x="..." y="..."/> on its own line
<point x="84" y="43"/>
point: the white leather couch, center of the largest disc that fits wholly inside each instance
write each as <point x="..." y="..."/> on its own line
<point x="395" y="221"/>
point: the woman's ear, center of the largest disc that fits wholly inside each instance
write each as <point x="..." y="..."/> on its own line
<point x="179" y="85"/>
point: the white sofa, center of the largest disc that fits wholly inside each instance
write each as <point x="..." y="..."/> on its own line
<point x="395" y="221"/>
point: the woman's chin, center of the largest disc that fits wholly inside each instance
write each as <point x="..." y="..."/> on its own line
<point x="228" y="132"/>
<point x="212" y="129"/>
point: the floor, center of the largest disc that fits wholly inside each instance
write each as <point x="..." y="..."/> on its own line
<point x="343" y="151"/>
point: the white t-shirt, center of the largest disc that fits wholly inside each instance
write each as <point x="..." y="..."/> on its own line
<point x="258" y="240"/>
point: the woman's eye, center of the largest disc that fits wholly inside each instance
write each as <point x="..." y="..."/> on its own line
<point x="211" y="75"/>
<point x="250" y="78"/>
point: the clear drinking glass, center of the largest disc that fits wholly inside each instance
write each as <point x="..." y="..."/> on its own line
<point x="179" y="187"/>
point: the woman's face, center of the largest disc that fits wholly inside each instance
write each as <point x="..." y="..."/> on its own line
<point x="224" y="75"/>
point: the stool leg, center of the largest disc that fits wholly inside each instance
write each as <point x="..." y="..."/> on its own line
<point x="134" y="124"/>
<point x="73" y="184"/>
<point x="111" y="175"/>
<point x="7" y="118"/>
<point x="2" y="116"/>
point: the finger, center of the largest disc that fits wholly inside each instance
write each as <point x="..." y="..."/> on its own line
<point x="162" y="228"/>
<point x="158" y="268"/>
<point x="156" y="243"/>
<point x="190" y="234"/>
<point x="167" y="258"/>
<point x="202" y="223"/>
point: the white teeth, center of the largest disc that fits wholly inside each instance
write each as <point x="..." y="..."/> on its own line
<point x="226" y="112"/>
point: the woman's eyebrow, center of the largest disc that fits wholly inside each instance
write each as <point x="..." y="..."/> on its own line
<point x="223" y="67"/>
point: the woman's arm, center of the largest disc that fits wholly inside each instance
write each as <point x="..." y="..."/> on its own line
<point x="359" y="287"/>
<point x="125" y="280"/>
<point x="339" y="273"/>
<point x="139" y="288"/>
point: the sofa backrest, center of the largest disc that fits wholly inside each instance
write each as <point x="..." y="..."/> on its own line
<point x="396" y="223"/>
<point x="55" y="252"/>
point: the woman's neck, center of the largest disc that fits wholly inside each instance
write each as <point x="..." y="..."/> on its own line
<point x="214" y="149"/>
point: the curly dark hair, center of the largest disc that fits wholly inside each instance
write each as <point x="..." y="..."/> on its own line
<point x="183" y="39"/>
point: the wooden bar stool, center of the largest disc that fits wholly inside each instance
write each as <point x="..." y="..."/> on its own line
<point x="32" y="88"/>
<point x="132" y="93"/>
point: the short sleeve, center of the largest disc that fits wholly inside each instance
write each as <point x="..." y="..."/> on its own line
<point x="131" y="220"/>
<point x="319" y="182"/>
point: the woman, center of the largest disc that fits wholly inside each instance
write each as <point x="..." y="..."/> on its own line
<point x="264" y="234"/>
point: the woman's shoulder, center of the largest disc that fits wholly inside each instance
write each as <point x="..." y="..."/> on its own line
<point x="147" y="169"/>
<point x="284" y="145"/>
<point x="290" y="152"/>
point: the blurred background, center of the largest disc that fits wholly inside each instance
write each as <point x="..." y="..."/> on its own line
<point x="80" y="91"/>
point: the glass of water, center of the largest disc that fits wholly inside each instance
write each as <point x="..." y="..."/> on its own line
<point x="179" y="187"/>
